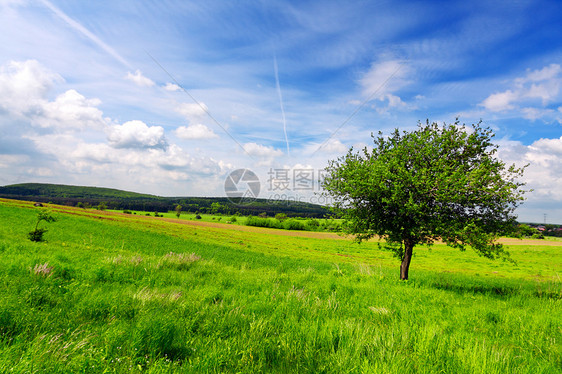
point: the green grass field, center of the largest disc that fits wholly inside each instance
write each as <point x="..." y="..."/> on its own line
<point x="110" y="292"/>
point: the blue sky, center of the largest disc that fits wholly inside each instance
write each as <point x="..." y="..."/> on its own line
<point x="168" y="97"/>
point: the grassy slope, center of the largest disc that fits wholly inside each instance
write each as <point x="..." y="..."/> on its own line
<point x="115" y="299"/>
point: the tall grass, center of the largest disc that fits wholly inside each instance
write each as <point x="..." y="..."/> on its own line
<point x="134" y="296"/>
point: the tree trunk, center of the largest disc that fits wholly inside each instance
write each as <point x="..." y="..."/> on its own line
<point x="405" y="266"/>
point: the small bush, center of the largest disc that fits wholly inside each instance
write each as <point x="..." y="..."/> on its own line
<point x="37" y="234"/>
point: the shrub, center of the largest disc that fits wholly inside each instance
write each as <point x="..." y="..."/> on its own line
<point x="293" y="224"/>
<point x="263" y="222"/>
<point x="312" y="224"/>
<point x="37" y="234"/>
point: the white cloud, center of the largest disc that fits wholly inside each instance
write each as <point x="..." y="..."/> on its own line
<point x="331" y="146"/>
<point x="547" y="73"/>
<point x="262" y="151"/>
<point x="543" y="85"/>
<point x="383" y="78"/>
<point x="192" y="111"/>
<point x="139" y="79"/>
<point x="198" y="131"/>
<point x="334" y="146"/>
<point x="544" y="173"/>
<point x="71" y="110"/>
<point x="24" y="86"/>
<point x="136" y="134"/>
<point x="176" y="159"/>
<point x="24" y="89"/>
<point x="172" y="87"/>
<point x="500" y="101"/>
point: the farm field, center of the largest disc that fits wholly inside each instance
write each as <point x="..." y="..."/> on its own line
<point x="113" y="292"/>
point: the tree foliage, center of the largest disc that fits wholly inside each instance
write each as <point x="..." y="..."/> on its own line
<point x="435" y="183"/>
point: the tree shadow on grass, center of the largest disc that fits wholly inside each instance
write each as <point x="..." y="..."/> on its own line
<point x="545" y="290"/>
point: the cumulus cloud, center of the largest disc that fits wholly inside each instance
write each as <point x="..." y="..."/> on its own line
<point x="71" y="110"/>
<point x="136" y="134"/>
<point x="530" y="94"/>
<point x="544" y="172"/>
<point x="139" y="79"/>
<point x="54" y="148"/>
<point x="198" y="131"/>
<point x="543" y="176"/>
<point x="24" y="89"/>
<point x="24" y="86"/>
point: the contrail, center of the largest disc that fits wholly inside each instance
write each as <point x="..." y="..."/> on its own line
<point x="280" y="101"/>
<point x="203" y="108"/>
<point x="78" y="27"/>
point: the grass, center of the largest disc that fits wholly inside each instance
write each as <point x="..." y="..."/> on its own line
<point x="113" y="293"/>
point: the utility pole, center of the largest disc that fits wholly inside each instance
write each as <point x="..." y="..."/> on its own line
<point x="545" y="218"/>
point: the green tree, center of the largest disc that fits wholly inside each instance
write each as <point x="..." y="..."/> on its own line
<point x="281" y="216"/>
<point x="216" y="207"/>
<point x="527" y="231"/>
<point x="178" y="210"/>
<point x="37" y="234"/>
<point x="435" y="183"/>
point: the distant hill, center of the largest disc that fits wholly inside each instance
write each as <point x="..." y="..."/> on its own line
<point x="118" y="199"/>
<point x="66" y="191"/>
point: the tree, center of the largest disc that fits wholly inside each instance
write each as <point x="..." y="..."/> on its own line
<point x="37" y="234"/>
<point x="178" y="210"/>
<point x="435" y="183"/>
<point x="281" y="216"/>
<point x="215" y="207"/>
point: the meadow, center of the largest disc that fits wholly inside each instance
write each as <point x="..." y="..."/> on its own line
<point x="111" y="292"/>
